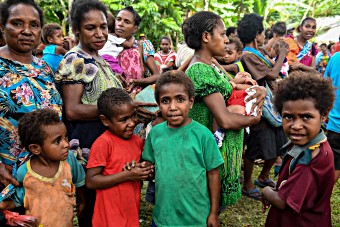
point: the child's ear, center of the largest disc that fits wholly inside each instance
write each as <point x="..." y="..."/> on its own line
<point x="191" y="100"/>
<point x="104" y="120"/>
<point x="34" y="149"/>
<point x="49" y="39"/>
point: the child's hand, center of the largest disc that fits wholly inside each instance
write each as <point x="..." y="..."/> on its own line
<point x="213" y="220"/>
<point x="141" y="172"/>
<point x="129" y="165"/>
<point x="265" y="204"/>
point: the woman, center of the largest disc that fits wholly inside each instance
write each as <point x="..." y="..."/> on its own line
<point x="205" y="32"/>
<point x="26" y="82"/>
<point x="302" y="52"/>
<point x="165" y="58"/>
<point x="138" y="62"/>
<point x="264" y="140"/>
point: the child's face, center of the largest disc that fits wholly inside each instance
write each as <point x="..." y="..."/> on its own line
<point x="123" y="122"/>
<point x="301" y="121"/>
<point x="232" y="54"/>
<point x="175" y="104"/>
<point x="56" y="145"/>
<point x="165" y="45"/>
<point x="57" y="38"/>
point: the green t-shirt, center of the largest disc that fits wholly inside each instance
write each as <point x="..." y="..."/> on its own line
<point x="182" y="157"/>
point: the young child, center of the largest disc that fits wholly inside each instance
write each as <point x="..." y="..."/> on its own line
<point x="50" y="177"/>
<point x="186" y="159"/>
<point x="305" y="183"/>
<point x="117" y="191"/>
<point x="114" y="46"/>
<point x="165" y="58"/>
<point x="54" y="40"/>
<point x="230" y="62"/>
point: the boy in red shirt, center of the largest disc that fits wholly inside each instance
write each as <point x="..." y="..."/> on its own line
<point x="302" y="195"/>
<point x="117" y="191"/>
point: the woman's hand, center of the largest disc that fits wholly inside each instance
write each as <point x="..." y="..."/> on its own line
<point x="260" y="96"/>
<point x="6" y="177"/>
<point x="295" y="65"/>
<point x="143" y="114"/>
<point x="213" y="220"/>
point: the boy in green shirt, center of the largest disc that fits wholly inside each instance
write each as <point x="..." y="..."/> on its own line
<point x="186" y="159"/>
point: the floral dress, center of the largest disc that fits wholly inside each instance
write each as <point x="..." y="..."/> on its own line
<point x="23" y="88"/>
<point x="208" y="80"/>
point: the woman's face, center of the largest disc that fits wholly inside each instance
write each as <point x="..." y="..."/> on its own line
<point x="218" y="40"/>
<point x="22" y="29"/>
<point x="260" y="38"/>
<point x="308" y="29"/>
<point x="125" y="24"/>
<point x="93" y="31"/>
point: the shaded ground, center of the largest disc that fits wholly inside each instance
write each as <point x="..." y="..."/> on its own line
<point x="247" y="212"/>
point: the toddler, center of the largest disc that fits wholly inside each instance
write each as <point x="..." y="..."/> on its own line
<point x="117" y="191"/>
<point x="51" y="177"/>
<point x="304" y="187"/>
<point x="186" y="159"/>
<point x="54" y="50"/>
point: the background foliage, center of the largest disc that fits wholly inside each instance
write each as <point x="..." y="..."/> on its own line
<point x="164" y="17"/>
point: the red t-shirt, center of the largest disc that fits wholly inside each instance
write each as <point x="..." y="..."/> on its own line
<point x="118" y="205"/>
<point x="307" y="192"/>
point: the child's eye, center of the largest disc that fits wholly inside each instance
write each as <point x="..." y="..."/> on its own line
<point x="306" y="117"/>
<point x="165" y="101"/>
<point x="181" y="99"/>
<point x="287" y="116"/>
<point x="57" y="141"/>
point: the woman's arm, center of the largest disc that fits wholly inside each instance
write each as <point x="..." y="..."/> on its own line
<point x="227" y="120"/>
<point x="150" y="63"/>
<point x="74" y="109"/>
<point x="272" y="197"/>
<point x="96" y="180"/>
<point x="214" y="185"/>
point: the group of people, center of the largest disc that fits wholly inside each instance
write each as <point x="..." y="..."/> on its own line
<point x="74" y="135"/>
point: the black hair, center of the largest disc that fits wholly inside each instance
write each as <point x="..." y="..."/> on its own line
<point x="306" y="86"/>
<point x="48" y="31"/>
<point x="135" y="15"/>
<point x="111" y="22"/>
<point x="110" y="100"/>
<point x="279" y="28"/>
<point x="237" y="42"/>
<point x="167" y="38"/>
<point x="194" y="26"/>
<point x="231" y="30"/>
<point x="174" y="77"/>
<point x="323" y="44"/>
<point x="249" y="26"/>
<point x="6" y="5"/>
<point x="268" y="33"/>
<point x="30" y="126"/>
<point x="81" y="7"/>
<point x="330" y="46"/>
<point x="303" y="22"/>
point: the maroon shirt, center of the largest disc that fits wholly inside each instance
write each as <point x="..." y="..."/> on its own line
<point x="307" y="192"/>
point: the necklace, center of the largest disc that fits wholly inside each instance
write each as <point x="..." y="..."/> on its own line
<point x="211" y="64"/>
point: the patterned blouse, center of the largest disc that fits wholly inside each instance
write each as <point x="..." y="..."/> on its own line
<point x="78" y="67"/>
<point x="23" y="88"/>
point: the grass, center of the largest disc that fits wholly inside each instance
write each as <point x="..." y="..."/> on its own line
<point x="247" y="212"/>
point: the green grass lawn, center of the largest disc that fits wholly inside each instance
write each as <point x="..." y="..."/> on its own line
<point x="247" y="212"/>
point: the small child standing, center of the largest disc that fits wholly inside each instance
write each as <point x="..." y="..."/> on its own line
<point x="186" y="159"/>
<point x="302" y="195"/>
<point x="117" y="191"/>
<point x="230" y="62"/>
<point x="54" y="40"/>
<point x="50" y="177"/>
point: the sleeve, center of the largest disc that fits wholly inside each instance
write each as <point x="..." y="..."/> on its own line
<point x="148" y="49"/>
<point x="99" y="155"/>
<point x="19" y="195"/>
<point x="148" y="152"/>
<point x="74" y="70"/>
<point x="314" y="50"/>
<point x="211" y="153"/>
<point x="299" y="189"/>
<point x="77" y="171"/>
<point x="253" y="65"/>
<point x="204" y="80"/>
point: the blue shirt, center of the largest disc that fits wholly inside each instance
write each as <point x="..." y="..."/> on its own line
<point x="333" y="72"/>
<point x="51" y="57"/>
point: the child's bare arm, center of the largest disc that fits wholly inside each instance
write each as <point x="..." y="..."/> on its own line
<point x="96" y="180"/>
<point x="60" y="50"/>
<point x="230" y="68"/>
<point x="214" y="185"/>
<point x="272" y="197"/>
<point x="81" y="200"/>
<point x="7" y="204"/>
<point x="128" y="43"/>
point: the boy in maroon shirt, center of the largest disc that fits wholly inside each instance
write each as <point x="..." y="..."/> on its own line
<point x="302" y="195"/>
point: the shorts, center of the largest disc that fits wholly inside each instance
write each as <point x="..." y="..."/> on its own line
<point x="334" y="141"/>
<point x="265" y="143"/>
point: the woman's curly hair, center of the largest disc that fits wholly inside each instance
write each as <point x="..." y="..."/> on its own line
<point x="249" y="26"/>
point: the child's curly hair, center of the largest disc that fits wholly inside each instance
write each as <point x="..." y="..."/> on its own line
<point x="30" y="126"/>
<point x="307" y="86"/>
<point x="237" y="42"/>
<point x="48" y="31"/>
